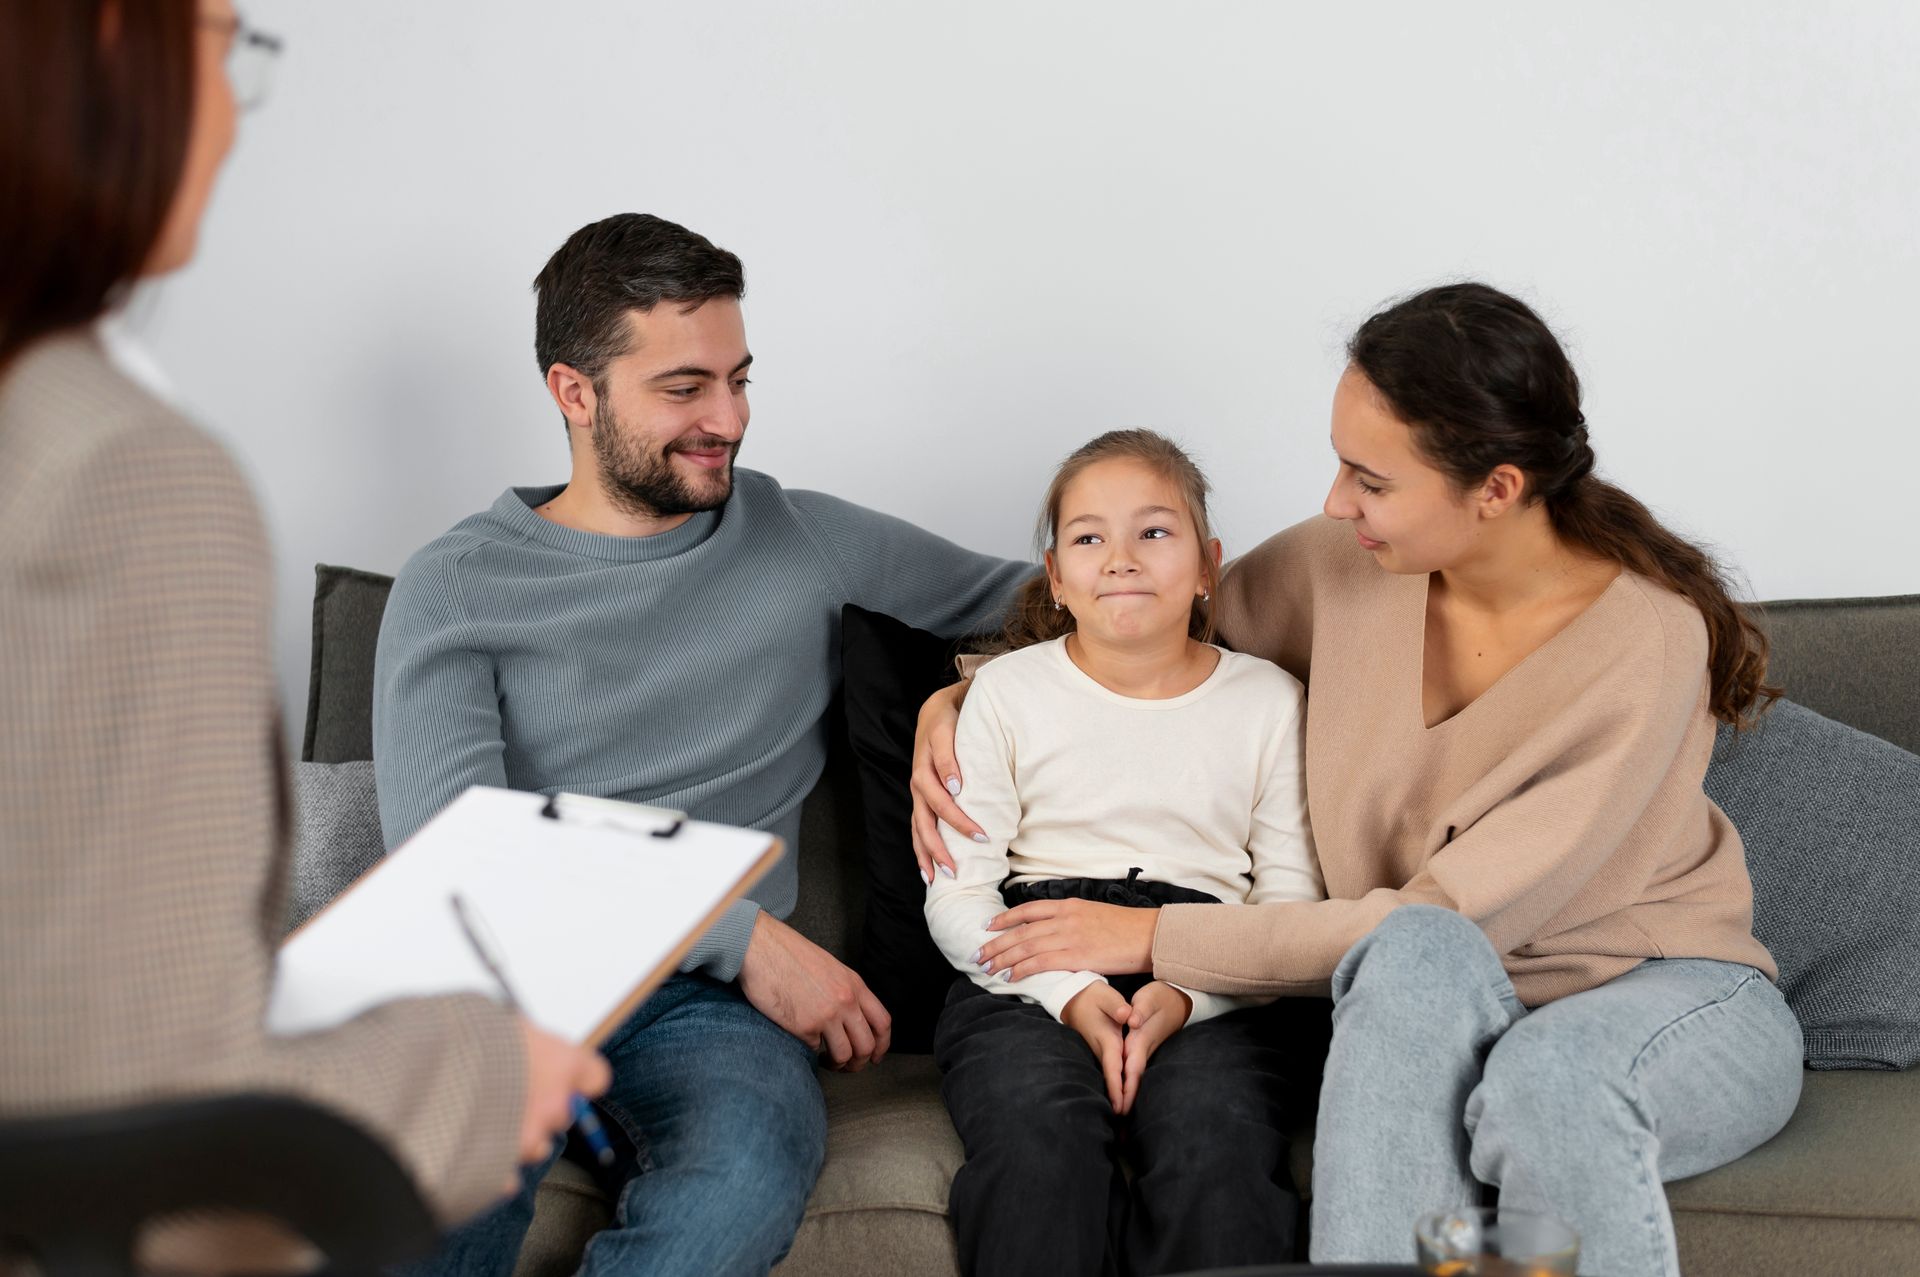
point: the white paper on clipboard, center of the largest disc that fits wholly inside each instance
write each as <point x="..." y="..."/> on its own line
<point x="588" y="912"/>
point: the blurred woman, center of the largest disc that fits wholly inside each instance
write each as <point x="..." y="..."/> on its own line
<point x="143" y="795"/>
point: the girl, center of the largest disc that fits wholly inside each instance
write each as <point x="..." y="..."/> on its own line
<point x="1119" y="756"/>
<point x="1540" y="935"/>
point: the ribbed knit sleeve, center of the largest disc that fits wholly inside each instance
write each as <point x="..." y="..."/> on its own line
<point x="888" y="565"/>
<point x="436" y="713"/>
<point x="722" y="950"/>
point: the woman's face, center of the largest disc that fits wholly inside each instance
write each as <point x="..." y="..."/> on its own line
<point x="208" y="140"/>
<point x="1407" y="514"/>
<point x="1127" y="561"/>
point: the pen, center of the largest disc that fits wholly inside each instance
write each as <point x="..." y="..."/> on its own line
<point x="584" y="1118"/>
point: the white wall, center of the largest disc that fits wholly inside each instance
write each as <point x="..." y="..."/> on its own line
<point x="977" y="235"/>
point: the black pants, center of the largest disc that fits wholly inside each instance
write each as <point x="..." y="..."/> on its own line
<point x="1045" y="1188"/>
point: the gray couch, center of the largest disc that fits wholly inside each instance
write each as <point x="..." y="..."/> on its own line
<point x="1837" y="1191"/>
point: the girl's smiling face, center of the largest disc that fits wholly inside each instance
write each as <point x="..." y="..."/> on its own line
<point x="1127" y="561"/>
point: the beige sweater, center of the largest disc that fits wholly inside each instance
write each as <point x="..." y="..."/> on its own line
<point x="143" y="813"/>
<point x="1562" y="810"/>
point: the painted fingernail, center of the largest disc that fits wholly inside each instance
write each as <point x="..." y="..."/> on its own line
<point x="926" y="877"/>
<point x="975" y="959"/>
<point x="953" y="786"/>
<point x="947" y="870"/>
<point x="979" y="837"/>
<point x="987" y="966"/>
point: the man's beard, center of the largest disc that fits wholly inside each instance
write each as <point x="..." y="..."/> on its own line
<point x="646" y="484"/>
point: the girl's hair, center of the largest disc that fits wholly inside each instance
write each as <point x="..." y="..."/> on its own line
<point x="1481" y="382"/>
<point x="96" y="102"/>
<point x="1032" y="617"/>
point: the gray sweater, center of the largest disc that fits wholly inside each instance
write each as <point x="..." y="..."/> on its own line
<point x="692" y="668"/>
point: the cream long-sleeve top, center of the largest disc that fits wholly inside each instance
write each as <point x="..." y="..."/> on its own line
<point x="1562" y="810"/>
<point x="1069" y="779"/>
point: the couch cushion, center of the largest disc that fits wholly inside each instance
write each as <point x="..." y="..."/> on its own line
<point x="568" y="1210"/>
<point x="336" y="833"/>
<point x="1855" y="660"/>
<point x="880" y="1205"/>
<point x="1837" y="1190"/>
<point x="347" y="607"/>
<point x="890" y="670"/>
<point x="890" y="1143"/>
<point x="1831" y="821"/>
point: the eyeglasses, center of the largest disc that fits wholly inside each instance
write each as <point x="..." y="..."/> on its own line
<point x="250" y="58"/>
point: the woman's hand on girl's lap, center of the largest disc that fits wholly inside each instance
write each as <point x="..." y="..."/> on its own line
<point x="1070" y="935"/>
<point x="1099" y="1014"/>
<point x="934" y="766"/>
<point x="1159" y="1011"/>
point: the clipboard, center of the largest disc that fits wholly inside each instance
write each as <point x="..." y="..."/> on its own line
<point x="592" y="902"/>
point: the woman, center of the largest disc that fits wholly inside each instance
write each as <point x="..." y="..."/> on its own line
<point x="142" y="794"/>
<point x="1539" y="932"/>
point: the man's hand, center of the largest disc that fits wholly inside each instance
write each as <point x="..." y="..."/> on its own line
<point x="1158" y="1012"/>
<point x="1099" y="1014"/>
<point x="812" y="995"/>
<point x="557" y="1070"/>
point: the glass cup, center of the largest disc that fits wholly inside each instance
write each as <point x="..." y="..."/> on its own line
<point x="1488" y="1242"/>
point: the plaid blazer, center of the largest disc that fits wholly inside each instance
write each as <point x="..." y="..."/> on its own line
<point x="143" y="808"/>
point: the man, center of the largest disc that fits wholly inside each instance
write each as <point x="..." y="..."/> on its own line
<point x="664" y="628"/>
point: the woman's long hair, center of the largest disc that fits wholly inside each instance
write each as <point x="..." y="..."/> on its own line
<point x="1033" y="617"/>
<point x="1481" y="382"/>
<point x="96" y="102"/>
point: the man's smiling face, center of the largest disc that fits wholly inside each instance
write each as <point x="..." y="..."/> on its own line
<point x="670" y="413"/>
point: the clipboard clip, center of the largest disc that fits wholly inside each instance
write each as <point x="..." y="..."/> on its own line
<point x="611" y="813"/>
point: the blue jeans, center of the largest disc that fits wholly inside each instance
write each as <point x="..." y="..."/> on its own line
<point x="729" y="1130"/>
<point x="1440" y="1082"/>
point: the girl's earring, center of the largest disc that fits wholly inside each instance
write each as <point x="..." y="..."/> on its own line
<point x="1056" y="605"/>
<point x="1206" y="595"/>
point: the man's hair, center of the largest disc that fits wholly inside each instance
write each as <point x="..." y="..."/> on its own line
<point x="630" y="261"/>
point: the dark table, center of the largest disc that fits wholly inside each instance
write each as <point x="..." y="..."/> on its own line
<point x="1313" y="1270"/>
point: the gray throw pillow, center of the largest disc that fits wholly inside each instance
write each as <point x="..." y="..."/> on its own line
<point x="336" y="833"/>
<point x="1831" y="821"/>
<point x="347" y="607"/>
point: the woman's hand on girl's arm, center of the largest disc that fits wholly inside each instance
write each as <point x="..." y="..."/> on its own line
<point x="1159" y="1011"/>
<point x="1071" y="935"/>
<point x="1099" y="1014"/>
<point x="936" y="780"/>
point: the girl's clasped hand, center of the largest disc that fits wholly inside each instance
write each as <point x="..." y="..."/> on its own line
<point x="1124" y="1034"/>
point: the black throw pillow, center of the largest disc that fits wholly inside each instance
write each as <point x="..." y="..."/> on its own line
<point x="890" y="669"/>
